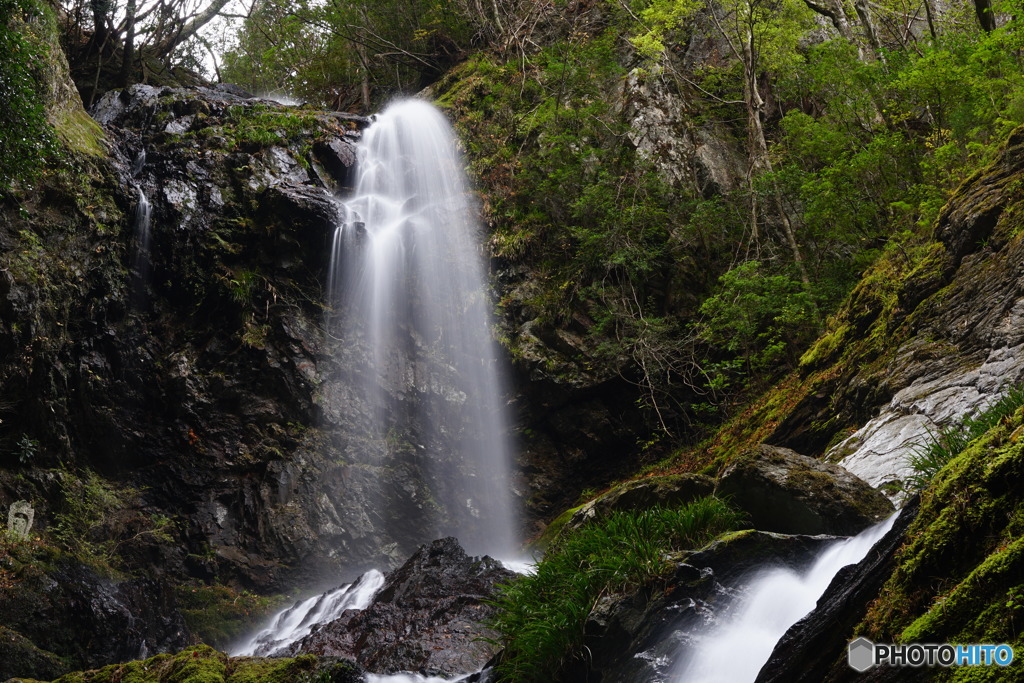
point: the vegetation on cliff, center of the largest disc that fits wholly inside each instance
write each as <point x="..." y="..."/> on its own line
<point x="958" y="578"/>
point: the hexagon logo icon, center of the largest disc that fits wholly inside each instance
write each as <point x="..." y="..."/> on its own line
<point x="861" y="655"/>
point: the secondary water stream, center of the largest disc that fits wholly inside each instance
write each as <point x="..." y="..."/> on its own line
<point x="140" y="230"/>
<point x="772" y="601"/>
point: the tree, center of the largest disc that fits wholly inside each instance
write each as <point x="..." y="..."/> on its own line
<point x="112" y="44"/>
<point x="760" y="34"/>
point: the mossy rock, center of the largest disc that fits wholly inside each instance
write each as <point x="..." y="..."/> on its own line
<point x="737" y="553"/>
<point x="203" y="664"/>
<point x="960" y="577"/>
<point x="665" y="491"/>
<point x="19" y="656"/>
<point x="786" y="492"/>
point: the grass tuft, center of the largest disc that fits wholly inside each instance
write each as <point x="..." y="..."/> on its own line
<point x="541" y="617"/>
<point x="928" y="457"/>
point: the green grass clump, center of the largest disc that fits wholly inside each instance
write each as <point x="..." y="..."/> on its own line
<point x="541" y="617"/>
<point x="929" y="457"/>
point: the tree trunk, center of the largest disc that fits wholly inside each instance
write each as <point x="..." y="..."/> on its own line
<point x="760" y="162"/>
<point x="864" y="12"/>
<point x="167" y="46"/>
<point x="100" y="9"/>
<point x="128" y="55"/>
<point x="986" y="17"/>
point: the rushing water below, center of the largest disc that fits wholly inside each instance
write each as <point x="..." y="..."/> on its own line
<point x="295" y="623"/>
<point x="408" y="294"/>
<point x="773" y="600"/>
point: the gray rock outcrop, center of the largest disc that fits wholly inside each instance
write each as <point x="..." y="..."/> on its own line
<point x="787" y="492"/>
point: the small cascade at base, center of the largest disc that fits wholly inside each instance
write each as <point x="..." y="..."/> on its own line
<point x="295" y="623"/>
<point x="772" y="602"/>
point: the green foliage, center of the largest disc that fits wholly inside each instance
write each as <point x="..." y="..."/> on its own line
<point x="760" y="316"/>
<point x="328" y="52"/>
<point x="27" y="449"/>
<point x="930" y="457"/>
<point x="95" y="518"/>
<point x="541" y="616"/>
<point x="25" y="136"/>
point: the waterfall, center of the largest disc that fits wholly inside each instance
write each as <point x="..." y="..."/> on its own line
<point x="140" y="231"/>
<point x="140" y="256"/>
<point x="773" y="600"/>
<point x="295" y="623"/>
<point x="409" y="306"/>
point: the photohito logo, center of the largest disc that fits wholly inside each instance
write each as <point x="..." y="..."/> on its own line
<point x="863" y="654"/>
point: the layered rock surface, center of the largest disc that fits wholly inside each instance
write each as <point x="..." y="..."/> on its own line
<point x="426" y="617"/>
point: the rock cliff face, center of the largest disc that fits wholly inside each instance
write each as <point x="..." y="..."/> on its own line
<point x="926" y="338"/>
<point x="172" y="404"/>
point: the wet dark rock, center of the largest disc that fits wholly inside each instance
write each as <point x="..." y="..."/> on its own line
<point x="87" y="618"/>
<point x="425" y="618"/>
<point x="787" y="492"/>
<point x="814" y="648"/>
<point x="636" y="636"/>
<point x="233" y="89"/>
<point x="339" y="158"/>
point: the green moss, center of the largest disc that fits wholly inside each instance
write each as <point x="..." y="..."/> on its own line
<point x="552" y="531"/>
<point x="255" y="670"/>
<point x="80" y="132"/>
<point x="219" y="614"/>
<point x="201" y="664"/>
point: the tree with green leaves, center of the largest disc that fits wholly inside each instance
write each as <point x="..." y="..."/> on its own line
<point x="761" y="35"/>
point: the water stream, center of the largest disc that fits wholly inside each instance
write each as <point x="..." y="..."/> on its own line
<point x="772" y="601"/>
<point x="140" y="230"/>
<point x="296" y="622"/>
<point x="408" y="295"/>
<point x="408" y="300"/>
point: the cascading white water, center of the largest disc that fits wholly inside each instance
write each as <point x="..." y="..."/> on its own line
<point x="774" y="600"/>
<point x="410" y="678"/>
<point x="408" y="296"/>
<point x="140" y="256"/>
<point x="295" y="623"/>
<point x="140" y="229"/>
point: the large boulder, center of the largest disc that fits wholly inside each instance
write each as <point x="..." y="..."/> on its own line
<point x="426" y="618"/>
<point x="790" y="493"/>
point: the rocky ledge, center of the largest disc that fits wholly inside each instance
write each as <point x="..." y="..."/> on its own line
<point x="426" y="618"/>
